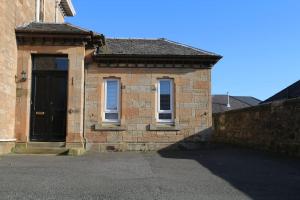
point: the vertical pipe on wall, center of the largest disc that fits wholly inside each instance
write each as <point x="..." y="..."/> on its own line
<point x="37" y="10"/>
<point x="57" y="2"/>
<point x="56" y="5"/>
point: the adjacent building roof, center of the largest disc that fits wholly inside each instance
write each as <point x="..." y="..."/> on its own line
<point x="152" y="47"/>
<point x="292" y="91"/>
<point x="219" y="102"/>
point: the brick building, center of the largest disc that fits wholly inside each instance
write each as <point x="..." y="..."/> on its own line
<point x="63" y="84"/>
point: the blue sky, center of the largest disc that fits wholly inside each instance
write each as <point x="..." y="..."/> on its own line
<point x="258" y="39"/>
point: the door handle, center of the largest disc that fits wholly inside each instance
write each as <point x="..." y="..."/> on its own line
<point x="40" y="113"/>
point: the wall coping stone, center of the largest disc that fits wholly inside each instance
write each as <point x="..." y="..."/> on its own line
<point x="264" y="105"/>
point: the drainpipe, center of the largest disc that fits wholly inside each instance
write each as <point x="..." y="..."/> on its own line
<point x="37" y="10"/>
<point x="83" y="131"/>
<point x="56" y="10"/>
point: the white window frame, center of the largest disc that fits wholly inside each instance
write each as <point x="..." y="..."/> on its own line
<point x="171" y="111"/>
<point x="105" y="110"/>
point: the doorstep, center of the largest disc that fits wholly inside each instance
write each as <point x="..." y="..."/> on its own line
<point x="46" y="148"/>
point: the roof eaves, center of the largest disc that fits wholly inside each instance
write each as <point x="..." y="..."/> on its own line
<point x="204" y="60"/>
<point x="50" y="33"/>
<point x="211" y="57"/>
<point x="68" y="8"/>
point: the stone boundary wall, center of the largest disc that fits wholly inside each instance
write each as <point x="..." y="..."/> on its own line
<point x="272" y="127"/>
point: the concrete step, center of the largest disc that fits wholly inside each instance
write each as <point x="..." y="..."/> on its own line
<point x="46" y="148"/>
<point x="46" y="144"/>
<point x="42" y="150"/>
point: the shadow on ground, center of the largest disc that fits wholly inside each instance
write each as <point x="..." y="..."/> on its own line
<point x="257" y="174"/>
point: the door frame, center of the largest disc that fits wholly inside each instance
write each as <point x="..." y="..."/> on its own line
<point x="33" y="56"/>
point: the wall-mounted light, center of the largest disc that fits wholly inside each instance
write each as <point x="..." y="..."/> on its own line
<point x="23" y="77"/>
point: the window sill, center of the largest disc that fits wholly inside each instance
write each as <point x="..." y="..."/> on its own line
<point x="163" y="127"/>
<point x="109" y="127"/>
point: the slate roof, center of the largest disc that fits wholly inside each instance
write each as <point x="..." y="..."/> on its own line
<point x="153" y="47"/>
<point x="121" y="47"/>
<point x="292" y="91"/>
<point x="219" y="102"/>
<point x="51" y="28"/>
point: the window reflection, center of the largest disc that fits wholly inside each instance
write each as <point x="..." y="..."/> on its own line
<point x="51" y="63"/>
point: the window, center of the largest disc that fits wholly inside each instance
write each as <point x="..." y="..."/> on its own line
<point x="50" y="63"/>
<point x="112" y="100"/>
<point x="165" y="100"/>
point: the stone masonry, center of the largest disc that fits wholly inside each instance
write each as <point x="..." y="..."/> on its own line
<point x="92" y="59"/>
<point x="138" y="107"/>
<point x="272" y="127"/>
<point x="12" y="13"/>
<point x="75" y="91"/>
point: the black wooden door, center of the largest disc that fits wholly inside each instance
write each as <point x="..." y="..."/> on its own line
<point x="48" y="106"/>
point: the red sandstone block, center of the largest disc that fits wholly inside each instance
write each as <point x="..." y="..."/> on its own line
<point x="131" y="112"/>
<point x="201" y="85"/>
<point x="74" y="137"/>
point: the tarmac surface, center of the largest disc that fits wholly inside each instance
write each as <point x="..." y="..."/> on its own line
<point x="219" y="173"/>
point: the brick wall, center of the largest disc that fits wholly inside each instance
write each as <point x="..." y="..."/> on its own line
<point x="138" y="107"/>
<point x="273" y="127"/>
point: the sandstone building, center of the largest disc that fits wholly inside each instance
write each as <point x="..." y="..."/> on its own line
<point x="62" y="83"/>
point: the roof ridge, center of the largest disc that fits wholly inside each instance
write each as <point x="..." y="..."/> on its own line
<point x="61" y="25"/>
<point x="188" y="46"/>
<point x="78" y="27"/>
<point x="132" y="38"/>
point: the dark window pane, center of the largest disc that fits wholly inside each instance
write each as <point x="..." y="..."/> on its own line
<point x="165" y="116"/>
<point x="165" y="95"/>
<point x="112" y="95"/>
<point x="165" y="103"/>
<point x="111" y="116"/>
<point x="50" y="63"/>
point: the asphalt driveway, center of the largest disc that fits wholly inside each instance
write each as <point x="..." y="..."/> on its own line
<point x="222" y="173"/>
